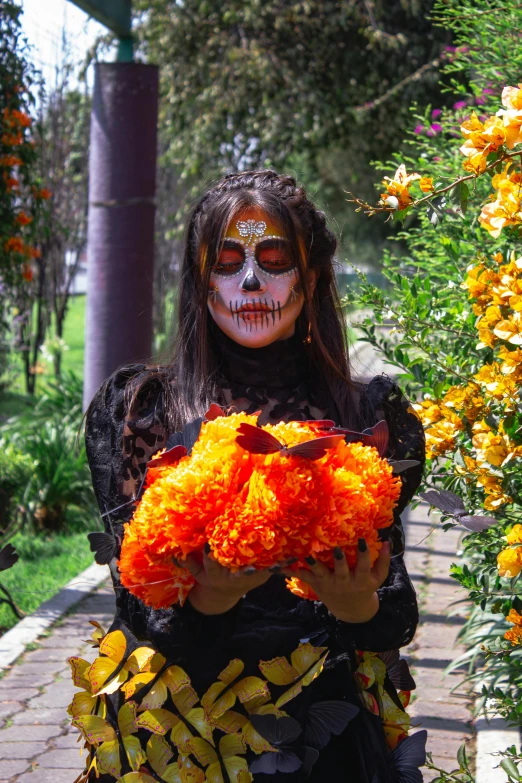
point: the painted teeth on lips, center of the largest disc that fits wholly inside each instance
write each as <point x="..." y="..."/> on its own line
<point x="254" y="307"/>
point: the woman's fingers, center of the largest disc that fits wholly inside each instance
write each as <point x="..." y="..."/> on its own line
<point x="341" y="568"/>
<point x="194" y="565"/>
<point x="382" y="564"/>
<point x="363" y="566"/>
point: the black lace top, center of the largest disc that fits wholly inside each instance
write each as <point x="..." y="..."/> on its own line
<point x="269" y="621"/>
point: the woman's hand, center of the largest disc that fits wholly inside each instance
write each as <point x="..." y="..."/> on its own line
<point x="217" y="589"/>
<point x="349" y="595"/>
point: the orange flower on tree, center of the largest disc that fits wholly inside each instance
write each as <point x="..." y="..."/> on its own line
<point x="23" y="219"/>
<point x="511" y="115"/>
<point x="481" y="139"/>
<point x="397" y="194"/>
<point x="505" y="210"/>
<point x="426" y="184"/>
<point x="514" y="635"/>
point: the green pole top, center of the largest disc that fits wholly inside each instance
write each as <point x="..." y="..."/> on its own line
<point x="116" y="16"/>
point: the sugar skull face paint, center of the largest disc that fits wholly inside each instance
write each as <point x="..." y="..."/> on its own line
<point x="255" y="295"/>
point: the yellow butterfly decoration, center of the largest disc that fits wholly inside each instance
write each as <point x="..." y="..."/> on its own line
<point x="97" y="635"/>
<point x="182" y="771"/>
<point x="306" y="664"/>
<point x="229" y="749"/>
<point x="84" y="703"/>
<point x="159" y="721"/>
<point x="98" y="731"/>
<point x="110" y="670"/>
<point x="173" y="679"/>
<point x="222" y="695"/>
<point x="258" y="743"/>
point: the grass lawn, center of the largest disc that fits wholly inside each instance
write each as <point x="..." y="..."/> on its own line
<point x="13" y="400"/>
<point x="45" y="565"/>
<point x="74" y="335"/>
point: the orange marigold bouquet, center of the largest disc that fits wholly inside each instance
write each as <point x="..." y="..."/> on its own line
<point x="254" y="509"/>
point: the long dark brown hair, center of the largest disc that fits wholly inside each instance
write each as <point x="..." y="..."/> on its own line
<point x="191" y="379"/>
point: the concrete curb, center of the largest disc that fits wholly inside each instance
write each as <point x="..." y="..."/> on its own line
<point x="493" y="734"/>
<point x="14" y="642"/>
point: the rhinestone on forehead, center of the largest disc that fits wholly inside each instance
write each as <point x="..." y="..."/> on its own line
<point x="251" y="228"/>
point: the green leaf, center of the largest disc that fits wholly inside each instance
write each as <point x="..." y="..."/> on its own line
<point x="509" y="766"/>
<point x="461" y="756"/>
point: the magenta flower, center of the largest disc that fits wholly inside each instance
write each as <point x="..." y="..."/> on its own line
<point x="418" y="129"/>
<point x="460" y="105"/>
<point x="435" y="114"/>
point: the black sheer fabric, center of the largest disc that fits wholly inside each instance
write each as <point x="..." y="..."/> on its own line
<point x="269" y="621"/>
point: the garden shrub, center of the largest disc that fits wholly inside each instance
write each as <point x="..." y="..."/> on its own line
<point x="456" y="308"/>
<point x="15" y="472"/>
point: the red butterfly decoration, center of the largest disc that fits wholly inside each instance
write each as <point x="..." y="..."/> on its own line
<point x="258" y="441"/>
<point x="377" y="436"/>
<point x="169" y="457"/>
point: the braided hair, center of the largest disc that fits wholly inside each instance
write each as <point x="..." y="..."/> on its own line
<point x="192" y="370"/>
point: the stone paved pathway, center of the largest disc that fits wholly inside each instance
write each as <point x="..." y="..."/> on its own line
<point x="38" y="746"/>
<point x="436" y="707"/>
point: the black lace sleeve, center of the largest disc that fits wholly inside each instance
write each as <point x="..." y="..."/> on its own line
<point x="119" y="443"/>
<point x="395" y="623"/>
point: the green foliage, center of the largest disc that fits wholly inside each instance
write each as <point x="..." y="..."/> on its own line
<point x="45" y="565"/>
<point x="304" y="85"/>
<point x="58" y="494"/>
<point x="15" y="472"/>
<point x="436" y="348"/>
<point x="461" y="775"/>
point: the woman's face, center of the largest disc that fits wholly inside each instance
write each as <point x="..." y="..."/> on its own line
<point x="255" y="295"/>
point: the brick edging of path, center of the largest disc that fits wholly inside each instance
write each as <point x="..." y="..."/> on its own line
<point x="14" y="642"/>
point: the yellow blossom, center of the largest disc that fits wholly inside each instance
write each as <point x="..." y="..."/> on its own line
<point x="511" y="360"/>
<point x="397" y="187"/>
<point x="515" y="535"/>
<point x="510" y="329"/>
<point x="428" y="411"/>
<point x="466" y="399"/>
<point x="481" y="139"/>
<point x="512" y="114"/>
<point x="441" y="436"/>
<point x="509" y="562"/>
<point x="504" y="211"/>
<point x="426" y="184"/>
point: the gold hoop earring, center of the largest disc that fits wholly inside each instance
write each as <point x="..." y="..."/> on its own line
<point x="308" y="338"/>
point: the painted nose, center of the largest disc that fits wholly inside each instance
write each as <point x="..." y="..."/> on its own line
<point x="251" y="282"/>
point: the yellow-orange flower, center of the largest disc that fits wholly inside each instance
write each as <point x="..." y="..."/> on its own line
<point x="254" y="509"/>
<point x="512" y="114"/>
<point x="505" y="210"/>
<point x="397" y="189"/>
<point x="481" y="139"/>
<point x="426" y="184"/>
<point x="509" y="562"/>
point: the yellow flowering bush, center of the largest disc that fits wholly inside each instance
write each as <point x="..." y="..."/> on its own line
<point x="456" y="309"/>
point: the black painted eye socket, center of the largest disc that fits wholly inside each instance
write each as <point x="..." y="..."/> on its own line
<point x="274" y="257"/>
<point x="231" y="259"/>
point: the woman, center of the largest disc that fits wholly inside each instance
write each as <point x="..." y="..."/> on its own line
<point x="260" y="330"/>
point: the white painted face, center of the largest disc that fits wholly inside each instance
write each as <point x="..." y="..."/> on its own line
<point x="255" y="294"/>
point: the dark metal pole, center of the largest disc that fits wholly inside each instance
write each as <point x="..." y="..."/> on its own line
<point x="120" y="241"/>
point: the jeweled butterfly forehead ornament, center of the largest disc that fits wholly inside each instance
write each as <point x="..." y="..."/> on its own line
<point x="253" y="231"/>
<point x="251" y="228"/>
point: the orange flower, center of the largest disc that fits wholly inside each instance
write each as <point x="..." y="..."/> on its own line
<point x="14" y="245"/>
<point x="397" y="193"/>
<point x="22" y="219"/>
<point x="27" y="272"/>
<point x="426" y="184"/>
<point x="10" y="160"/>
<point x="255" y="509"/>
<point x="514" y="635"/>
<point x="44" y="194"/>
